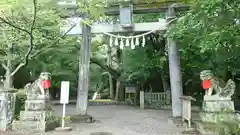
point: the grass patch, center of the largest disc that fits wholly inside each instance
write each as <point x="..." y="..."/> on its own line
<point x="101" y="100"/>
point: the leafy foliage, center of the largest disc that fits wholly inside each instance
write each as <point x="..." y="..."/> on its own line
<point x="28" y="29"/>
<point x="213" y="28"/>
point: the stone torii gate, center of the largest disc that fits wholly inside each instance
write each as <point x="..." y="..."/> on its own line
<point x="126" y="25"/>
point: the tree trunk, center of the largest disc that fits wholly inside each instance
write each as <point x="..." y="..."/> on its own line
<point x="114" y="88"/>
<point x="118" y="86"/>
<point x="118" y="83"/>
<point x="8" y="82"/>
<point x="165" y="83"/>
<point x="111" y="92"/>
<point x="110" y="81"/>
<point x="109" y="63"/>
<point x="121" y="92"/>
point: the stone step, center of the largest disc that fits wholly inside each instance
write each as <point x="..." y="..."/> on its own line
<point x="36" y="115"/>
<point x="35" y="126"/>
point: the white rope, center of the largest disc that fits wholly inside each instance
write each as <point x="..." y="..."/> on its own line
<point x="129" y="40"/>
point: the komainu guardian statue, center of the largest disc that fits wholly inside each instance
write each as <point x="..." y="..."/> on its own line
<point x="217" y="106"/>
<point x="39" y="89"/>
<point x="215" y="87"/>
<point x="38" y="115"/>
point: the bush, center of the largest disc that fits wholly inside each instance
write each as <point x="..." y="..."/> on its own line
<point x="19" y="104"/>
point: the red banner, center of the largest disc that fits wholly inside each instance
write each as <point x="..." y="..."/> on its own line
<point x="46" y="84"/>
<point x="206" y="84"/>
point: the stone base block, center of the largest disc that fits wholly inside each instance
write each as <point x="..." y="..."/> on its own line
<point x="35" y="126"/>
<point x="215" y="98"/>
<point x="36" y="121"/>
<point x="35" y="105"/>
<point x="36" y="115"/>
<point x="218" y="106"/>
<point x="212" y="117"/>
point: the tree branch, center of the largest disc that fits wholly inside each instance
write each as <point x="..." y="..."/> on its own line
<point x="4" y="66"/>
<point x="42" y="50"/>
<point x="12" y="25"/>
<point x="115" y="74"/>
<point x="34" y="15"/>
<point x="51" y="45"/>
<point x="31" y="32"/>
<point x="17" y="68"/>
<point x="31" y="44"/>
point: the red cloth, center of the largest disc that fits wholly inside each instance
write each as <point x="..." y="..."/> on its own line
<point x="206" y="84"/>
<point x="46" y="84"/>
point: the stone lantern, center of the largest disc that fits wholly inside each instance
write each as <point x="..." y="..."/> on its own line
<point x="131" y="93"/>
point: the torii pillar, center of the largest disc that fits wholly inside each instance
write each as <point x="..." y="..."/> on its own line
<point x="84" y="62"/>
<point x="174" y="70"/>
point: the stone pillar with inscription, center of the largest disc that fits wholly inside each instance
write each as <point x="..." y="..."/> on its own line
<point x="7" y="107"/>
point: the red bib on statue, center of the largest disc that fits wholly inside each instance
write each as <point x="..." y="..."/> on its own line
<point x="46" y="84"/>
<point x="206" y="84"/>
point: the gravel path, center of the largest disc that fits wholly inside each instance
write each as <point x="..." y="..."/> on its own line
<point x="121" y="120"/>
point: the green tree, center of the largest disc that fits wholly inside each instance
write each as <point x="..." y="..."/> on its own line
<point x="208" y="37"/>
<point x="213" y="28"/>
<point x="27" y="29"/>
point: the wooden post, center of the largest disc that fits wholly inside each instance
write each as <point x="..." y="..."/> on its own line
<point x="84" y="60"/>
<point x="175" y="71"/>
<point x="142" y="99"/>
<point x="187" y="109"/>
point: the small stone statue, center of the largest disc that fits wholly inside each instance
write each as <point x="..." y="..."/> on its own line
<point x="217" y="86"/>
<point x="36" y="90"/>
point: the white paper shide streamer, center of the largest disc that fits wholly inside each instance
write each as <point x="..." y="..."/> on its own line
<point x="131" y="41"/>
<point x="121" y="44"/>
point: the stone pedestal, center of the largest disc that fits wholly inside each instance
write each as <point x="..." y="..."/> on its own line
<point x="213" y="116"/>
<point x="37" y="117"/>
